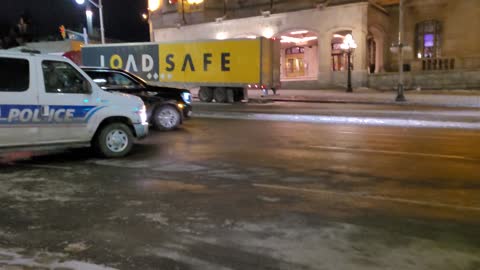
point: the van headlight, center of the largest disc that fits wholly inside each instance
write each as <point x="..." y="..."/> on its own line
<point x="142" y="113"/>
<point x="187" y="97"/>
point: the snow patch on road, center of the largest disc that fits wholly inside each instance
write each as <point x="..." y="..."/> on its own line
<point x="156" y="218"/>
<point x="160" y="185"/>
<point x="195" y="263"/>
<point x="268" y="199"/>
<point x="340" y="246"/>
<point x="156" y="165"/>
<point x="180" y="167"/>
<point x="122" y="163"/>
<point x="76" y="247"/>
<point x="44" y="260"/>
<point x="26" y="186"/>
<point x="133" y="203"/>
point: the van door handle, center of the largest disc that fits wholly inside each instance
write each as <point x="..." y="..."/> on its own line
<point x="45" y="110"/>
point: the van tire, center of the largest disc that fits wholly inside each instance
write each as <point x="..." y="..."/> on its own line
<point x="115" y="140"/>
<point x="220" y="94"/>
<point x="205" y="94"/>
<point x="166" y="117"/>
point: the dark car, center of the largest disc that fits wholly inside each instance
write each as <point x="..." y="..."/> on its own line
<point x="166" y="107"/>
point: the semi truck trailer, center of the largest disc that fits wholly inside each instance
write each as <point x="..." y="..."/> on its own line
<point x="223" y="70"/>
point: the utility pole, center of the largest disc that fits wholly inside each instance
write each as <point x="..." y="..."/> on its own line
<point x="183" y="12"/>
<point x="90" y="14"/>
<point x="150" y="26"/>
<point x="102" y="29"/>
<point x="400" y="90"/>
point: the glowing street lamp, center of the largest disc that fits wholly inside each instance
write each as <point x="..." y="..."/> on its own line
<point x="153" y="5"/>
<point x="348" y="46"/>
<point x="89" y="14"/>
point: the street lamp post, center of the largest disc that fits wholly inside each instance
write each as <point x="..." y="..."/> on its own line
<point x="348" y="46"/>
<point x="400" y="90"/>
<point x="349" y="83"/>
<point x="100" y="9"/>
<point x="148" y="18"/>
<point x="150" y="27"/>
<point x="89" y="14"/>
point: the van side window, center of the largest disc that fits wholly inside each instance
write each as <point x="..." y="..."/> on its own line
<point x="62" y="78"/>
<point x="14" y="74"/>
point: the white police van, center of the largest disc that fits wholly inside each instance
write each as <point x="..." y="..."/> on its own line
<point x="48" y="102"/>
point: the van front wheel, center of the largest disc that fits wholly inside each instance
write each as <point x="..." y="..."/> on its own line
<point x="114" y="140"/>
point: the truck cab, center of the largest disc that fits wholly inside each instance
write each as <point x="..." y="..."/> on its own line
<point x="49" y="102"/>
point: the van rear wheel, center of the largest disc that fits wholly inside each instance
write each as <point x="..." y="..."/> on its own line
<point x="114" y="140"/>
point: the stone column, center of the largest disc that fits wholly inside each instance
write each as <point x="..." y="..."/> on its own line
<point x="360" y="58"/>
<point x="324" y="58"/>
<point x="379" y="61"/>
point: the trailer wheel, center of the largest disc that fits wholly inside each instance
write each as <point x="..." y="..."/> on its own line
<point x="220" y="95"/>
<point x="205" y="94"/>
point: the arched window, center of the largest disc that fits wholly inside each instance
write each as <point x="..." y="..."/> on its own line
<point x="428" y="36"/>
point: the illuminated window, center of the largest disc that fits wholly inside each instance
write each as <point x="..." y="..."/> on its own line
<point x="295" y="63"/>
<point x="428" y="36"/>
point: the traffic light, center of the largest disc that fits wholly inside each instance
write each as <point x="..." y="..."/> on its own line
<point x="63" y="33"/>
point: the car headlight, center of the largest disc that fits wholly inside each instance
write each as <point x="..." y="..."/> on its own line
<point x="187" y="97"/>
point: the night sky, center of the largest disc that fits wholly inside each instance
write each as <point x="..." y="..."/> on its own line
<point x="122" y="17"/>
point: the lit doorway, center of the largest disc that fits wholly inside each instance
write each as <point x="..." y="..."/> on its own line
<point x="299" y="55"/>
<point x="371" y="54"/>
<point x="339" y="58"/>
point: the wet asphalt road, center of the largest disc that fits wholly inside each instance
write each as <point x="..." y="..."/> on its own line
<point x="236" y="194"/>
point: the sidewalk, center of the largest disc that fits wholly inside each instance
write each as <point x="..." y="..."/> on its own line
<point x="442" y="98"/>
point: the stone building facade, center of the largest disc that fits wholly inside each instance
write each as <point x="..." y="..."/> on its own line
<point x="443" y="49"/>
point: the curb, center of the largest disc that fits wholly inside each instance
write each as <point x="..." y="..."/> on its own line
<point x="341" y="101"/>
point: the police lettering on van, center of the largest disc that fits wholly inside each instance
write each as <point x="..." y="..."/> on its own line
<point x="28" y="114"/>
